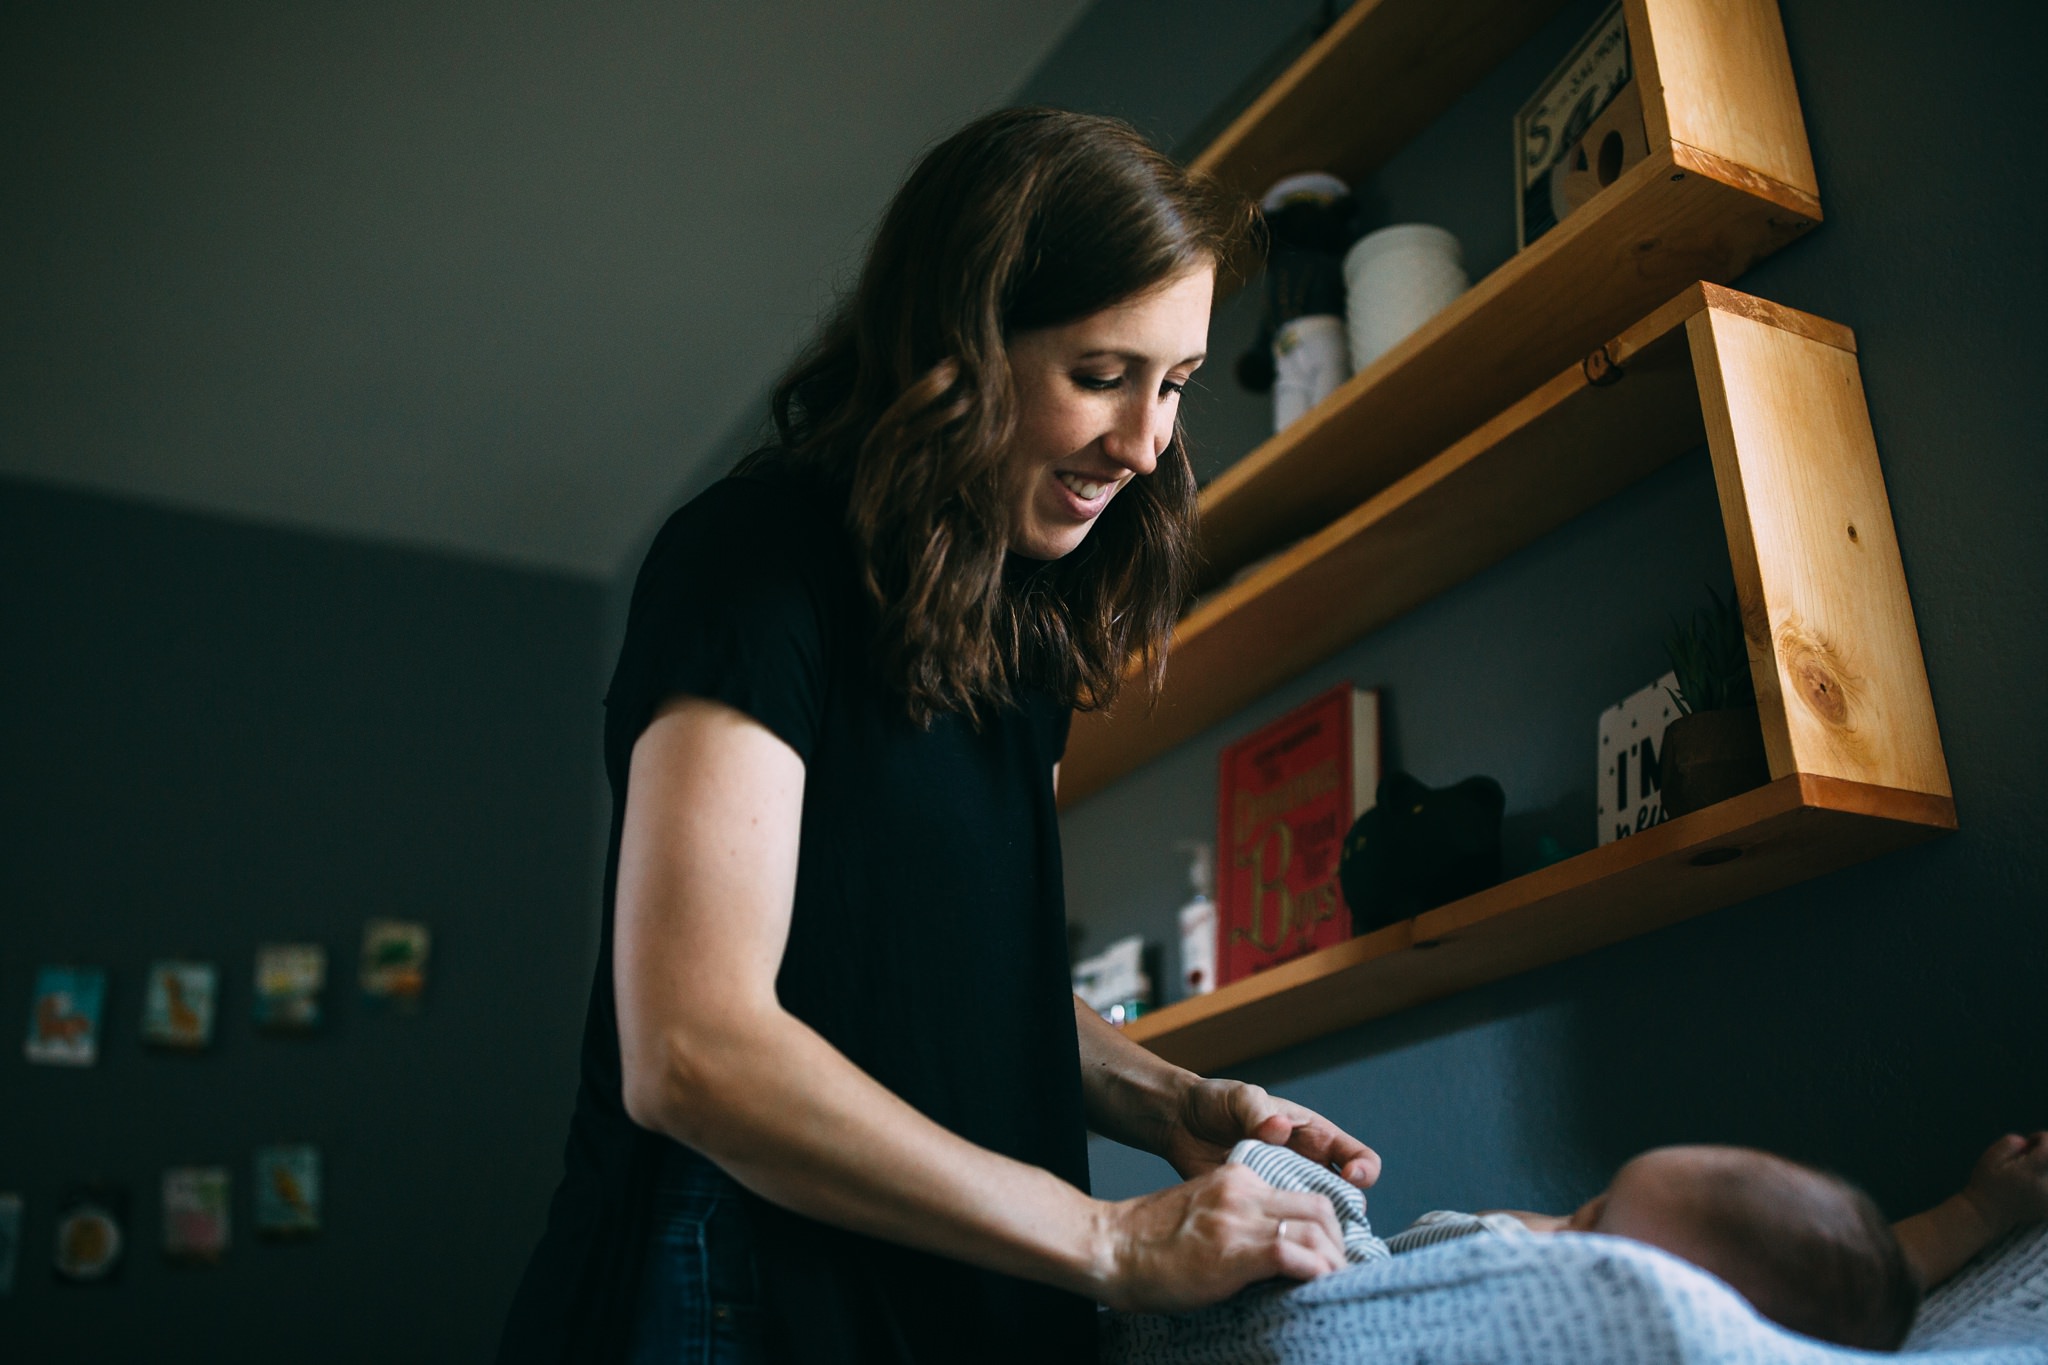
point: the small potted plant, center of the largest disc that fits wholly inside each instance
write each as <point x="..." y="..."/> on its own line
<point x="1715" y="749"/>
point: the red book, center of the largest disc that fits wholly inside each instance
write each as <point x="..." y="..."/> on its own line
<point x="1285" y="797"/>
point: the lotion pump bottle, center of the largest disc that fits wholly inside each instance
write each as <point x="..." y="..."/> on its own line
<point x="1198" y="921"/>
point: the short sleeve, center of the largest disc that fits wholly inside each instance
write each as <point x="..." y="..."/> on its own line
<point x="731" y="605"/>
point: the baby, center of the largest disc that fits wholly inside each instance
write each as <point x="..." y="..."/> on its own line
<point x="1808" y="1250"/>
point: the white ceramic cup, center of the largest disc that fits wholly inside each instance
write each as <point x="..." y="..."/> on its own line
<point x="1395" y="280"/>
<point x="1308" y="365"/>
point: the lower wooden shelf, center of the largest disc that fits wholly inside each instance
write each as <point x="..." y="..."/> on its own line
<point x="1795" y="828"/>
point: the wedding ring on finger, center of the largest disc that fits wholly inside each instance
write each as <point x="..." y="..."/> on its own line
<point x="1280" y="1233"/>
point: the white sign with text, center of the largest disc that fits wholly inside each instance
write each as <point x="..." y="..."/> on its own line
<point x="1631" y="743"/>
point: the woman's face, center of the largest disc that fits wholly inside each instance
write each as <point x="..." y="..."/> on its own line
<point x="1096" y="402"/>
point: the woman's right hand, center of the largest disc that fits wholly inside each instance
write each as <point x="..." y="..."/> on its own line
<point x="1197" y="1243"/>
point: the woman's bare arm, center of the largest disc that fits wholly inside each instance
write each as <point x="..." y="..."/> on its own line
<point x="1134" y="1096"/>
<point x="1143" y="1101"/>
<point x="707" y="871"/>
<point x="1131" y="1095"/>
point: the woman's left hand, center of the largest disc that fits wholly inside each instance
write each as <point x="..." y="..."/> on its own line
<point x="1215" y="1116"/>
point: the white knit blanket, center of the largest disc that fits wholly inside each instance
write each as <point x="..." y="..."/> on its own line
<point x="1559" y="1300"/>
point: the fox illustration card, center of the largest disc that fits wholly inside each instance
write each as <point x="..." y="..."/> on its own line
<point x="64" y="1016"/>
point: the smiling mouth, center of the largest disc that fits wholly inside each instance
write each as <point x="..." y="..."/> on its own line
<point x="1087" y="490"/>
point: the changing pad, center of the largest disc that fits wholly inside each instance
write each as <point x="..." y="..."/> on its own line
<point x="1571" y="1300"/>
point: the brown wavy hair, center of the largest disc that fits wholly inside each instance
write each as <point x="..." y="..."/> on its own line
<point x="905" y="404"/>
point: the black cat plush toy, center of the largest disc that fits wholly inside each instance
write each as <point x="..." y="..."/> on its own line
<point x="1420" y="847"/>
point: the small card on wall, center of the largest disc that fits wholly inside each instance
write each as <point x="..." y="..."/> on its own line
<point x="1631" y="739"/>
<point x="10" y="1241"/>
<point x="177" y="1006"/>
<point x="395" y="961"/>
<point x="287" y="1191"/>
<point x="64" y="1016"/>
<point x="196" y="1213"/>
<point x="289" y="980"/>
<point x="91" y="1233"/>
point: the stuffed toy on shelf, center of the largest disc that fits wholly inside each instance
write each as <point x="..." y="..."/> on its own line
<point x="1300" y="351"/>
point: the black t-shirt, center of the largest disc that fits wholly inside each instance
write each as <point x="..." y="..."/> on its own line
<point x="926" y="942"/>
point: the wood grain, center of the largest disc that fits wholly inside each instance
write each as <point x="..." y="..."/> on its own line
<point x="1790" y="831"/>
<point x="1717" y="78"/>
<point x="1841" y="684"/>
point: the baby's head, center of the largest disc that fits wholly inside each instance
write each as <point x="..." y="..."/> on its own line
<point x="1810" y="1251"/>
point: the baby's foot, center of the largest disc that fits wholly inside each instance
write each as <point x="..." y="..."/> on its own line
<point x="2009" y="1186"/>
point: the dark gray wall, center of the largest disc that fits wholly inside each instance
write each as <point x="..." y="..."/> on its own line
<point x="216" y="736"/>
<point x="1884" y="1020"/>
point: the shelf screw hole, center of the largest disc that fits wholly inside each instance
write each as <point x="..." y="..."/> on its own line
<point x="1852" y="533"/>
<point x="1678" y="175"/>
<point x="1428" y="943"/>
<point x="1714" y="857"/>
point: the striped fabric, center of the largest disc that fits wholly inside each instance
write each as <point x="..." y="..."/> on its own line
<point x="1288" y="1170"/>
<point x="1434" y="1229"/>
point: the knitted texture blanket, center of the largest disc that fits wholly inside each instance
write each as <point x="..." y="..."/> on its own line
<point x="1494" y="1296"/>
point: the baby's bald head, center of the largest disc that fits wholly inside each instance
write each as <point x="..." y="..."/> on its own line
<point x="1809" y="1250"/>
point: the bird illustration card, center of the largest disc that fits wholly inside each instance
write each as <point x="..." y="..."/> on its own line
<point x="289" y="980"/>
<point x="195" y="1213"/>
<point x="287" y="1191"/>
<point x="64" y="1016"/>
<point x="395" y="962"/>
<point x="177" y="1005"/>
<point x="91" y="1233"/>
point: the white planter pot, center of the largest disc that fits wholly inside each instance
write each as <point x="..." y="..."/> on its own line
<point x="1395" y="280"/>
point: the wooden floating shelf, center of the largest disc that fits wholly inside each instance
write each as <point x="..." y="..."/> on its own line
<point x="1548" y="387"/>
<point x="1382" y="73"/>
<point x="1848" y="721"/>
<point x="1728" y="180"/>
<point x="1796" y="828"/>
<point x="1787" y="415"/>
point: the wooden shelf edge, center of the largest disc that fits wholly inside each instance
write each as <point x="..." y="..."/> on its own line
<point x="1788" y="831"/>
<point x="1795" y="201"/>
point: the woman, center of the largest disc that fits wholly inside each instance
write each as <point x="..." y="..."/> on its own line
<point x="835" y="1087"/>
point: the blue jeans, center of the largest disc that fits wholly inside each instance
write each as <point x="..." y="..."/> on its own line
<point x="699" y="1298"/>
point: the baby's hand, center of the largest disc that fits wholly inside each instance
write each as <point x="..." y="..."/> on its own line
<point x="2009" y="1185"/>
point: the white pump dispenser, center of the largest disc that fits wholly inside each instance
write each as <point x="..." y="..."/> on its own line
<point x="1198" y="921"/>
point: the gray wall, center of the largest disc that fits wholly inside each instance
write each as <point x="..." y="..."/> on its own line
<point x="1884" y="1020"/>
<point x="217" y="736"/>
